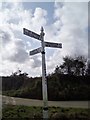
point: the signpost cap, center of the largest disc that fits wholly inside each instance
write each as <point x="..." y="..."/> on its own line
<point x="42" y="29"/>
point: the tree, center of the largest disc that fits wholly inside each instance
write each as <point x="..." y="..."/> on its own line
<point x="88" y="68"/>
<point x="57" y="69"/>
<point x="19" y="73"/>
<point x="67" y="65"/>
<point x="72" y="66"/>
<point x="79" y="65"/>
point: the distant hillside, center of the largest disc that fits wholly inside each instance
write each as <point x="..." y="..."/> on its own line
<point x="60" y="87"/>
<point x="69" y="81"/>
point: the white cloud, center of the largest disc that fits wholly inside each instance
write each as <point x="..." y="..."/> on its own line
<point x="74" y="18"/>
<point x="69" y="28"/>
<point x="39" y="18"/>
<point x="36" y="62"/>
<point x="72" y="1"/>
<point x="15" y="46"/>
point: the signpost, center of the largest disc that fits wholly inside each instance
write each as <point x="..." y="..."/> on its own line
<point x="42" y="50"/>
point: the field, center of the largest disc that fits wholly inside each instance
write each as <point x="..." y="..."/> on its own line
<point x="17" y="112"/>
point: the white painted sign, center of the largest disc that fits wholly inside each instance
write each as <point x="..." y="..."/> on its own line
<point x="56" y="45"/>
<point x="31" y="34"/>
<point x="42" y="50"/>
<point x="35" y="51"/>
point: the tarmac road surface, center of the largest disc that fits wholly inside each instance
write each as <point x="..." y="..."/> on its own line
<point x="33" y="102"/>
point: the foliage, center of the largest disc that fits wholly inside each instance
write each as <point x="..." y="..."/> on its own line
<point x="35" y="113"/>
<point x="60" y="87"/>
<point x="88" y="68"/>
<point x="72" y="66"/>
<point x="70" y="81"/>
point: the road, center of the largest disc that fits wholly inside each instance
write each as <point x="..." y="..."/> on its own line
<point x="32" y="102"/>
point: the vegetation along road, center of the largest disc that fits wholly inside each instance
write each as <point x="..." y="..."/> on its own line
<point x="32" y="102"/>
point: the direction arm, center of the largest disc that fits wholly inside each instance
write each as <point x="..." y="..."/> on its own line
<point x="35" y="51"/>
<point x="55" y="45"/>
<point x="31" y="34"/>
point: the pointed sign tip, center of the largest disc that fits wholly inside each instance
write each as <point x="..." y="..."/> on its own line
<point x="42" y="28"/>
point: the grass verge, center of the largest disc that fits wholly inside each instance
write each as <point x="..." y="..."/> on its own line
<point x="10" y="112"/>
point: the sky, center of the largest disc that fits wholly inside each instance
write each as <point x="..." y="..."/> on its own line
<point x="63" y="22"/>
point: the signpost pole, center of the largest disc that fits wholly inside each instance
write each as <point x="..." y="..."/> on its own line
<point x="44" y="80"/>
<point x="42" y="50"/>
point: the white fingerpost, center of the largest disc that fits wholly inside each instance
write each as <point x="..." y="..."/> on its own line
<point x="44" y="80"/>
<point x="42" y="50"/>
